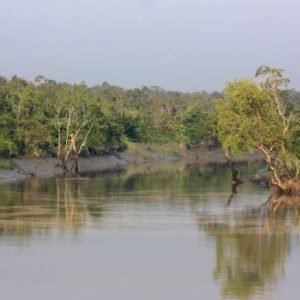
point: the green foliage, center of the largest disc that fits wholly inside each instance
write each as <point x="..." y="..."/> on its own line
<point x="37" y="118"/>
<point x="287" y="163"/>
<point x="260" y="116"/>
<point x="246" y="118"/>
<point x="5" y="164"/>
<point x="7" y="127"/>
<point x="293" y="140"/>
<point x="106" y="136"/>
<point x="7" y="147"/>
<point x="33" y="138"/>
<point x="153" y="115"/>
<point x="199" y="127"/>
<point x="133" y="125"/>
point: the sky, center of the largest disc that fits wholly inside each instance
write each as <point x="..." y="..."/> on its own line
<point x="184" y="45"/>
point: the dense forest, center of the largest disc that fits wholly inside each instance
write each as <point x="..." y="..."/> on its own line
<point x="40" y="118"/>
<point x="43" y="118"/>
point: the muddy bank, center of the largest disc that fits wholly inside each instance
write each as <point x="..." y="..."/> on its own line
<point x="29" y="167"/>
<point x="217" y="156"/>
<point x="26" y="168"/>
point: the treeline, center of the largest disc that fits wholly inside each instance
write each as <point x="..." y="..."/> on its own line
<point x="47" y="118"/>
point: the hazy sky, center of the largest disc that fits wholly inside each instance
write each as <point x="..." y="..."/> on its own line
<point x="176" y="44"/>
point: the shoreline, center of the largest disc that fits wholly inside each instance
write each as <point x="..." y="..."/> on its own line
<point x="24" y="168"/>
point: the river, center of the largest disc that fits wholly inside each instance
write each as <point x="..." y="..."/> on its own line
<point x="159" y="232"/>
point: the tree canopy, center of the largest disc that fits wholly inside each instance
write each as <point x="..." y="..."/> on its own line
<point x="258" y="115"/>
<point x="47" y="118"/>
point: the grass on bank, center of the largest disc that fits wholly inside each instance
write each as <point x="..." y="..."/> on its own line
<point x="147" y="151"/>
<point x="6" y="164"/>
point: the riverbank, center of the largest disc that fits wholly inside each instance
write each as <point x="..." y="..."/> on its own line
<point x="136" y="154"/>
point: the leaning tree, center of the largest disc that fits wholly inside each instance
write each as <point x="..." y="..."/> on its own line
<point x="258" y="115"/>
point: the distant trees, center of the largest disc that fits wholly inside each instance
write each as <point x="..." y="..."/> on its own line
<point x="199" y="127"/>
<point x="153" y="115"/>
<point x="44" y="117"/>
<point x="7" y="122"/>
<point x="258" y="116"/>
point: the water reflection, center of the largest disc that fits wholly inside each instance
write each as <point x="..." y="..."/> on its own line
<point x="37" y="207"/>
<point x="252" y="245"/>
<point x="233" y="192"/>
<point x="251" y="237"/>
<point x="282" y="205"/>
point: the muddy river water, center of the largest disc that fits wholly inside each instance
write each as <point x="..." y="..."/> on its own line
<point x="156" y="232"/>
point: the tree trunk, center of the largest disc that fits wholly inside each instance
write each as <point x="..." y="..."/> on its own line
<point x="275" y="180"/>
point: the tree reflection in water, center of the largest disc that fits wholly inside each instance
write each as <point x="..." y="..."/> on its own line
<point x="37" y="207"/>
<point x="252" y="245"/>
<point x="233" y="192"/>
